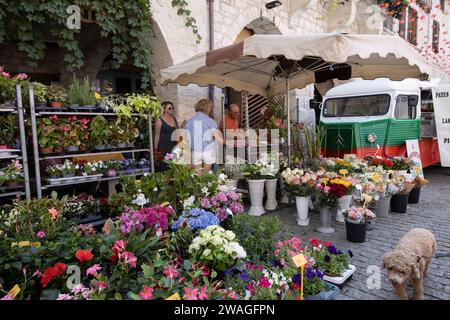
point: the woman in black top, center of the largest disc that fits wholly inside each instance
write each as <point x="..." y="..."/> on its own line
<point x="164" y="128"/>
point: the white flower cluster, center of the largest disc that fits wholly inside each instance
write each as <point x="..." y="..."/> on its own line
<point x="217" y="239"/>
<point x="94" y="167"/>
<point x="269" y="164"/>
<point x="277" y="280"/>
<point x="188" y="203"/>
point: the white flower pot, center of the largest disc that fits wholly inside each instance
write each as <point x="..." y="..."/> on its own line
<point x="231" y="183"/>
<point x="271" y="192"/>
<point x="325" y="221"/>
<point x="256" y="191"/>
<point x="302" y="204"/>
<point x="344" y="204"/>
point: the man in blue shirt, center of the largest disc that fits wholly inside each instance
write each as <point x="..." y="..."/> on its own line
<point x="203" y="135"/>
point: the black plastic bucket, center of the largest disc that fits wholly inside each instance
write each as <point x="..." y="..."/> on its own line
<point x="356" y="232"/>
<point x="399" y="203"/>
<point x="414" y="196"/>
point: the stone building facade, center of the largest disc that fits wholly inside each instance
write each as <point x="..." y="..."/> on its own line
<point x="233" y="20"/>
<point x="236" y="19"/>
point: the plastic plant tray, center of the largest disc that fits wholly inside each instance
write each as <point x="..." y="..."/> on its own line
<point x="330" y="293"/>
<point x="340" y="280"/>
<point x="72" y="179"/>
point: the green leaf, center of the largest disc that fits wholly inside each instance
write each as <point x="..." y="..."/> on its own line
<point x="50" y="294"/>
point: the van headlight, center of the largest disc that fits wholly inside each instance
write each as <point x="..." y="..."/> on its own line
<point x="372" y="137"/>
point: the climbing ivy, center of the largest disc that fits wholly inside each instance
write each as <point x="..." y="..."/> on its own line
<point x="190" y="21"/>
<point x="127" y="23"/>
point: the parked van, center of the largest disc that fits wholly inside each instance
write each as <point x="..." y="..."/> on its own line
<point x="376" y="117"/>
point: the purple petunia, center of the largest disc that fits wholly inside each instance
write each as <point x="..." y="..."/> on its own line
<point x="332" y="250"/>
<point x="310" y="274"/>
<point x="327" y="258"/>
<point x="350" y="253"/>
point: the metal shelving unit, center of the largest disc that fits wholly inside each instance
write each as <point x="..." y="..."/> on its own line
<point x="34" y="114"/>
<point x="23" y="145"/>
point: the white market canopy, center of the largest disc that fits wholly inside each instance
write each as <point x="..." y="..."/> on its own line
<point x="263" y="64"/>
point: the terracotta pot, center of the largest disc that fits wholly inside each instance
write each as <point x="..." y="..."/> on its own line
<point x="45" y="150"/>
<point x="83" y="148"/>
<point x="12" y="184"/>
<point x="56" y="104"/>
<point x="58" y="150"/>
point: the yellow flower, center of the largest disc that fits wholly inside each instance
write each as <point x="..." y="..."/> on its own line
<point x="98" y="96"/>
<point x="343" y="172"/>
<point x="324" y="180"/>
<point x="345" y="183"/>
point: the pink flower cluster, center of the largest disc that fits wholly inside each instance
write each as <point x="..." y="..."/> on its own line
<point x="359" y="215"/>
<point x="196" y="294"/>
<point x="291" y="246"/>
<point x="223" y="204"/>
<point x="155" y="217"/>
<point x="120" y="253"/>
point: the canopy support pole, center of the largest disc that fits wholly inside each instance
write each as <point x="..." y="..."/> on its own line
<point x="288" y="121"/>
<point x="247" y="123"/>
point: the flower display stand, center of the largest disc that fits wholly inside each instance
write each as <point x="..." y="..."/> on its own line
<point x="256" y="191"/>
<point x="302" y="204"/>
<point x="271" y="192"/>
<point x="325" y="221"/>
<point x="330" y="292"/>
<point x="339" y="281"/>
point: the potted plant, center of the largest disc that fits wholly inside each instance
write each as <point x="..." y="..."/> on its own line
<point x="118" y="133"/>
<point x="256" y="188"/>
<point x="269" y="164"/>
<point x="144" y="165"/>
<point x="399" y="201"/>
<point x="356" y="220"/>
<point x="401" y="165"/>
<point x="12" y="174"/>
<point x="389" y="188"/>
<point x="50" y="133"/>
<point x="57" y="96"/>
<point x="81" y="95"/>
<point x="414" y="195"/>
<point x="300" y="184"/>
<point x="111" y="168"/>
<point x="71" y="128"/>
<point x="327" y="194"/>
<point x="345" y="201"/>
<point x="7" y="89"/>
<point x="8" y="125"/>
<point x="69" y="169"/>
<point x="233" y="174"/>
<point x="40" y="95"/>
<point x="55" y="171"/>
<point x="99" y="132"/>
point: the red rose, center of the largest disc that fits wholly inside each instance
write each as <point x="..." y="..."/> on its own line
<point x="84" y="255"/>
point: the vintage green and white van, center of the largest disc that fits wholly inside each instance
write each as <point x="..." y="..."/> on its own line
<point x="375" y="117"/>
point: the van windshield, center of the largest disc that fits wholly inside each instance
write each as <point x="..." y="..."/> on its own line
<point x="375" y="105"/>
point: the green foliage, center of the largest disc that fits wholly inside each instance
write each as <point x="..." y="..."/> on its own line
<point x="8" y="126"/>
<point x="127" y="23"/>
<point x="335" y="265"/>
<point x="182" y="239"/>
<point x="256" y="234"/>
<point x="190" y="21"/>
<point x="81" y="94"/>
<point x="25" y="219"/>
<point x="99" y="131"/>
<point x="40" y="92"/>
<point x="56" y="94"/>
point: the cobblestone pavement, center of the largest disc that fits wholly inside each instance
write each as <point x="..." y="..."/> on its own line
<point x="432" y="212"/>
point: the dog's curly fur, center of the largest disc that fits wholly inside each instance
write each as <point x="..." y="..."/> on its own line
<point x="409" y="262"/>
